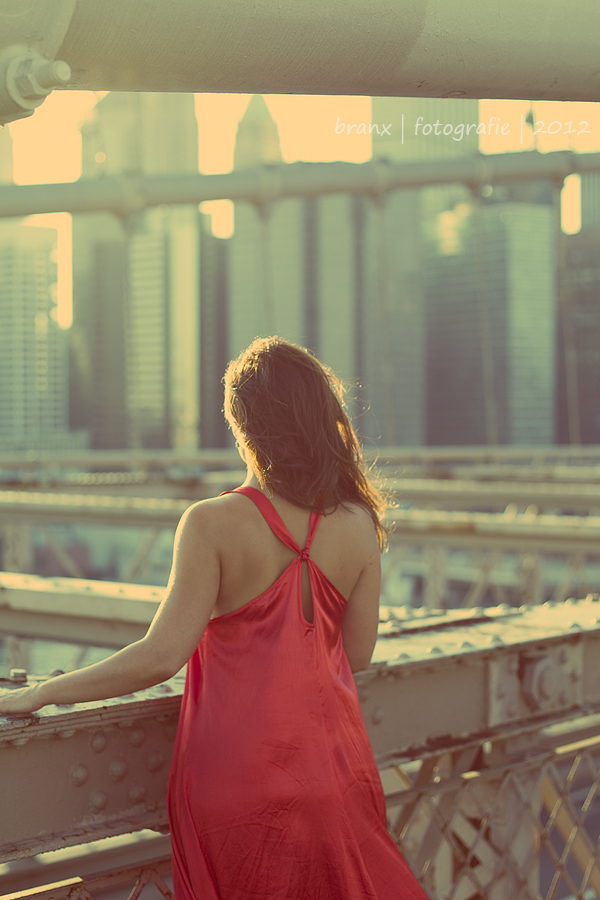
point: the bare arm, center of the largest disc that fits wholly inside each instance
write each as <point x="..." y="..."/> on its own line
<point x="359" y="627"/>
<point x="170" y="641"/>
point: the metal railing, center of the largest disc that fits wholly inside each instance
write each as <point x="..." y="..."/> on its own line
<point x="484" y="725"/>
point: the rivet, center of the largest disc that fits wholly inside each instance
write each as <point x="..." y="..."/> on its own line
<point x="118" y="768"/>
<point x="78" y="775"/>
<point x="466" y="645"/>
<point x="98" y="742"/>
<point x="137" y="737"/>
<point x="136" y="792"/>
<point x="19" y="742"/>
<point x="402" y="656"/>
<point x="98" y="801"/>
<point x="433" y="650"/>
<point x="66" y="733"/>
<point x="154" y="761"/>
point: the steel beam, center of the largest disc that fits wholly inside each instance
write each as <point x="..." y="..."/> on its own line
<point x="126" y="195"/>
<point x="462" y="494"/>
<point x="526" y="676"/>
<point x="531" y="458"/>
<point x="546" y="533"/>
<point x="404" y="48"/>
<point x="91" y="613"/>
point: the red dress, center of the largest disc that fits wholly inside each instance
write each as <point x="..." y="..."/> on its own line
<point x="274" y="793"/>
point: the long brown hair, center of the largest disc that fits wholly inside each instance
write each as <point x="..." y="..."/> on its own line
<point x="289" y="409"/>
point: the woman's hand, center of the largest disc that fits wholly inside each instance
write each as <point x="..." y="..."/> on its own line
<point x="21" y="700"/>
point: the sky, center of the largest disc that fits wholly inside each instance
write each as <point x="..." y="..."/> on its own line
<point x="47" y="145"/>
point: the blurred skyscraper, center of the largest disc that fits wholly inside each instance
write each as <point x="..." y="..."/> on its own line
<point x="590" y="200"/>
<point x="33" y="348"/>
<point x="582" y="307"/>
<point x="135" y="340"/>
<point x="397" y="235"/>
<point x="492" y="306"/>
<point x="266" y="262"/>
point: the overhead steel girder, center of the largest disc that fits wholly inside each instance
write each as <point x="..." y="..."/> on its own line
<point x="127" y="195"/>
<point x="430" y="48"/>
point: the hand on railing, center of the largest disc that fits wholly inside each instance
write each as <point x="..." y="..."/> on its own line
<point x="19" y="701"/>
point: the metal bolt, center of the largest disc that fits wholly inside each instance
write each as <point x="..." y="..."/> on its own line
<point x="137" y="737"/>
<point x="98" y="742"/>
<point x="136" y="792"/>
<point x="66" y="733"/>
<point x="78" y="775"/>
<point x="154" y="761"/>
<point x="17" y="676"/>
<point x="436" y="650"/>
<point x="98" y="801"/>
<point x="118" y="768"/>
<point x="47" y="74"/>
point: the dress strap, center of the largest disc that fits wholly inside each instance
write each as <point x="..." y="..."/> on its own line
<point x="276" y="523"/>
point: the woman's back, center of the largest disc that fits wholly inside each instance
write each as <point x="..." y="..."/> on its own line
<point x="253" y="557"/>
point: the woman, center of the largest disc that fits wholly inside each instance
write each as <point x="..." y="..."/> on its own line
<point x="273" y="601"/>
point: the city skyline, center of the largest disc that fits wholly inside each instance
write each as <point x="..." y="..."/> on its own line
<point x="47" y="146"/>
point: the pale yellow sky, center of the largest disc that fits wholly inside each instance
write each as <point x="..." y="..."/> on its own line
<point x="47" y="146"/>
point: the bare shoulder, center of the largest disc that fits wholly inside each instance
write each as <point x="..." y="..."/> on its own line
<point x="358" y="524"/>
<point x="211" y="519"/>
